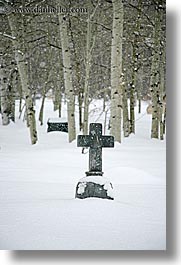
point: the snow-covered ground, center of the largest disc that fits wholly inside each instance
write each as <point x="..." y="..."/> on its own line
<point x="37" y="189"/>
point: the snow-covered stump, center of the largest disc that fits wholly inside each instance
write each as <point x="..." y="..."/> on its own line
<point x="94" y="186"/>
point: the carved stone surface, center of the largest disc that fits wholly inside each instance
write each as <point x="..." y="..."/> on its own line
<point x="57" y="126"/>
<point x="95" y="141"/>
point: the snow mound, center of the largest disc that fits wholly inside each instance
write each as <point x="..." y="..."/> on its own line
<point x="135" y="176"/>
<point x="96" y="179"/>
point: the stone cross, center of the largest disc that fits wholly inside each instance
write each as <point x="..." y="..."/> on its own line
<point x="95" y="141"/>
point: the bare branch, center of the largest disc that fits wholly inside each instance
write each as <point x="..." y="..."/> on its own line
<point x="7" y="36"/>
<point x="55" y="46"/>
<point x="42" y="37"/>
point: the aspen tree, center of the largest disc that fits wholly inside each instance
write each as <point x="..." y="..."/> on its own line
<point x="155" y="74"/>
<point x="126" y="123"/>
<point x="67" y="69"/>
<point x="4" y="94"/>
<point x="116" y="69"/>
<point x="89" y="48"/>
<point x="87" y="72"/>
<point x="20" y="57"/>
<point x="135" y="55"/>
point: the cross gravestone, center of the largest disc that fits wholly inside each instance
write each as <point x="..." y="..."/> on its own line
<point x="95" y="141"/>
<point x="94" y="185"/>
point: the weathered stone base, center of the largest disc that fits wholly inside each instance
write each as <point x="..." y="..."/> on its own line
<point x="94" y="186"/>
<point x="94" y="173"/>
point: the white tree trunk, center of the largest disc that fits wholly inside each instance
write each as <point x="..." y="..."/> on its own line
<point x="126" y="122"/>
<point x="69" y="91"/>
<point x="87" y="73"/>
<point x="89" y="48"/>
<point x="116" y="70"/>
<point x="155" y="76"/>
<point x="23" y="72"/>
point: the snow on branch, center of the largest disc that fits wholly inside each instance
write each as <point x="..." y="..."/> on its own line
<point x="7" y="36"/>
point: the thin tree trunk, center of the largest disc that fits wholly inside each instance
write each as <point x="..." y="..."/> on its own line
<point x="132" y="87"/>
<point x="155" y="76"/>
<point x="69" y="91"/>
<point x="164" y="121"/>
<point x="116" y="70"/>
<point x="42" y="109"/>
<point x="60" y="106"/>
<point x="80" y="102"/>
<point x="133" y="82"/>
<point x="105" y="119"/>
<point x="132" y="104"/>
<point x="126" y="122"/>
<point x="80" y="91"/>
<point x="19" y="89"/>
<point x="11" y="99"/>
<point x="86" y="86"/>
<point x="89" y="48"/>
<point x="12" y="87"/>
<point x="4" y="95"/>
<point x="140" y="89"/>
<point x="22" y="68"/>
<point x="57" y="102"/>
<point x="162" y="104"/>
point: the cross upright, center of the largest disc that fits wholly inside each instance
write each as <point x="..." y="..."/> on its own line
<point x="95" y="141"/>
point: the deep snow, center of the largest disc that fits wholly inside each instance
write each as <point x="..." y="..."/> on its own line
<point x="37" y="189"/>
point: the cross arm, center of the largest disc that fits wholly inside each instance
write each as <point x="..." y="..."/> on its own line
<point x="83" y="141"/>
<point x="107" y="141"/>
